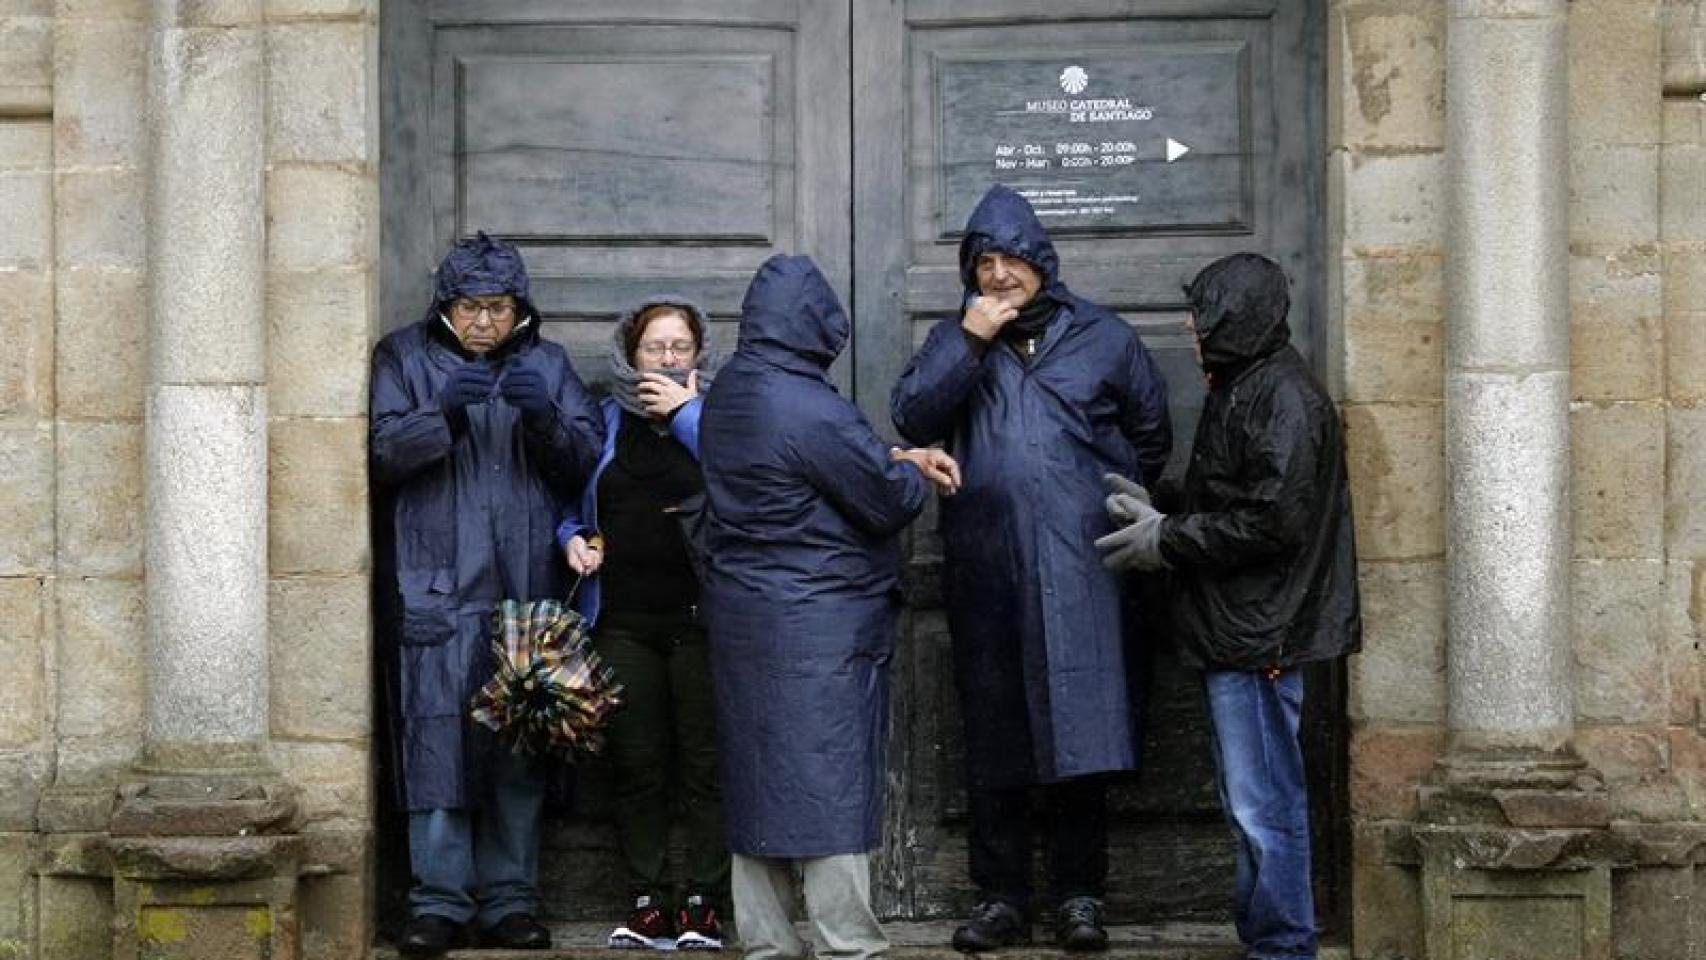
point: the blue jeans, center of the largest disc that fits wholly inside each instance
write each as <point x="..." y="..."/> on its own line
<point x="483" y="863"/>
<point x="1262" y="789"/>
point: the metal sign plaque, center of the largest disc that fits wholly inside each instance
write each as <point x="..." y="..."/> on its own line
<point x="1152" y="138"/>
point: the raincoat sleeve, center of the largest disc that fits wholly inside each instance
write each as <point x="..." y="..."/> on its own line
<point x="1143" y="414"/>
<point x="567" y="445"/>
<point x="684" y="426"/>
<point x="406" y="433"/>
<point x="1272" y="510"/>
<point x="846" y="462"/>
<point x="935" y="385"/>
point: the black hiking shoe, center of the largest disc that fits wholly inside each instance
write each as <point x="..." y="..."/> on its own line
<point x="994" y="924"/>
<point x="1078" y="925"/>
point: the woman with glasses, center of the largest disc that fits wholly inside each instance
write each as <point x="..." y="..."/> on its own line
<point x="640" y="592"/>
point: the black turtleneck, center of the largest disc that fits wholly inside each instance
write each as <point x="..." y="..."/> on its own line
<point x="646" y="569"/>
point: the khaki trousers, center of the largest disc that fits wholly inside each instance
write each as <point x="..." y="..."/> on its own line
<point x="838" y="904"/>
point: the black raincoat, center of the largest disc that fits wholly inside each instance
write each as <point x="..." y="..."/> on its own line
<point x="473" y="510"/>
<point x="801" y="590"/>
<point x="1261" y="543"/>
<point x="1039" y="627"/>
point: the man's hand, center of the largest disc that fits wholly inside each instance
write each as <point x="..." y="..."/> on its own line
<point x="1127" y="500"/>
<point x="985" y="317"/>
<point x="660" y="396"/>
<point x="468" y="383"/>
<point x="937" y="466"/>
<point x="524" y="389"/>
<point x="584" y="558"/>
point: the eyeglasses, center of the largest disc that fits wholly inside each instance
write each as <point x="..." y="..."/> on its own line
<point x="680" y="348"/>
<point x="499" y="310"/>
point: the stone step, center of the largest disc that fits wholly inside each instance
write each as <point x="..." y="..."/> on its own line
<point x="923" y="941"/>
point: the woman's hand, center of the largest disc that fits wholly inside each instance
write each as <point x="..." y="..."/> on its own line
<point x="937" y="467"/>
<point x="660" y="395"/>
<point x="584" y="557"/>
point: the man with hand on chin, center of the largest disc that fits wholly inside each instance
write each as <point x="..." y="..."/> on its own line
<point x="1037" y="393"/>
<point x="480" y="434"/>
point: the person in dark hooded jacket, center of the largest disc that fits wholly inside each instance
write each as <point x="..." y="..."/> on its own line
<point x="801" y="594"/>
<point x="480" y="434"/>
<point x="1263" y="561"/>
<point x="1037" y="393"/>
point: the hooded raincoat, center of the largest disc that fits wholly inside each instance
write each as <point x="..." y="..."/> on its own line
<point x="1262" y="545"/>
<point x="473" y="509"/>
<point x="1039" y="627"/>
<point x="801" y="592"/>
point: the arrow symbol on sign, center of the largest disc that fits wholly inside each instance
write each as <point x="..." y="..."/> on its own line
<point x="1175" y="149"/>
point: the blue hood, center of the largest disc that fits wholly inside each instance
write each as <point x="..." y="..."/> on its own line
<point x="791" y="315"/>
<point x="1005" y="223"/>
<point x="480" y="266"/>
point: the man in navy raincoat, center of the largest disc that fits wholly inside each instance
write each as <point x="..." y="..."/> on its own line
<point x="801" y="595"/>
<point x="1037" y="393"/>
<point x="481" y="432"/>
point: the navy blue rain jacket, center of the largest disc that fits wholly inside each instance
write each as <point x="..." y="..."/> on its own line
<point x="801" y="591"/>
<point x="474" y="510"/>
<point x="1038" y="626"/>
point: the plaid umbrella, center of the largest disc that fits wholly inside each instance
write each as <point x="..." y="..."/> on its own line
<point x="549" y="693"/>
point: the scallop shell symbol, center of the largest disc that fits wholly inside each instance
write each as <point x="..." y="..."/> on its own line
<point x="1074" y="79"/>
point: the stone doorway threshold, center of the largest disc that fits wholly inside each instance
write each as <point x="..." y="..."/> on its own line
<point x="918" y="941"/>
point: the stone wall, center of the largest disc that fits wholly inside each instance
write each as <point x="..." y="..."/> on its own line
<point x="1637" y="192"/>
<point x="74" y="275"/>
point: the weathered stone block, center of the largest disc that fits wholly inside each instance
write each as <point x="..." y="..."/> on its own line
<point x="318" y="77"/>
<point x="76" y="918"/>
<point x="1685" y="120"/>
<point x="101" y="633"/>
<point x="23" y="624"/>
<point x="1394" y="316"/>
<point x="1400" y="674"/>
<point x="1386" y="897"/>
<point x="1395" y="454"/>
<point x="24" y="772"/>
<point x="26" y="51"/>
<point x="101" y="9"/>
<point x="1682" y="209"/>
<point x="334" y="778"/>
<point x="27" y="242"/>
<point x="318" y="496"/>
<point x="17" y="894"/>
<point x="1617" y="479"/>
<point x="100" y="85"/>
<point x="320" y="634"/>
<point x="1614" y="59"/>
<point x="1394" y="71"/>
<point x="323" y="9"/>
<point x="320" y="218"/>
<point x="1614" y="197"/>
<point x="1688" y="766"/>
<point x="337" y="913"/>
<point x="318" y="352"/>
<point x="1685" y="322"/>
<point x="1685" y="626"/>
<point x="1394" y="202"/>
<point x="102" y="219"/>
<point x="1617" y="636"/>
<point x="1616" y="306"/>
<point x="1651" y="913"/>
<point x="26" y="365"/>
<point x="1387" y="765"/>
<point x="1623" y="754"/>
<point x="100" y="481"/>
<point x="102" y="374"/>
<point x="1685" y="466"/>
<point x="26" y="496"/>
<point x="102" y="759"/>
<point x="26" y="146"/>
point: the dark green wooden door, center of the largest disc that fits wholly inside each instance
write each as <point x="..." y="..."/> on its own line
<point x="635" y="146"/>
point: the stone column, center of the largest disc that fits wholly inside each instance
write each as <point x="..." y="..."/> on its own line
<point x="204" y="856"/>
<point x="1513" y="841"/>
<point x="1507" y="381"/>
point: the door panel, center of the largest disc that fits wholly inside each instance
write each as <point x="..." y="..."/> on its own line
<point x="1151" y="139"/>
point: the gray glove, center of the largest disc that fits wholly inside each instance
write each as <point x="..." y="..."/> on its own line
<point x="1136" y="545"/>
<point x="1126" y="499"/>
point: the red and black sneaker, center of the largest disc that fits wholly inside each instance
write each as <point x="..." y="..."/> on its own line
<point x="647" y="928"/>
<point x="699" y="927"/>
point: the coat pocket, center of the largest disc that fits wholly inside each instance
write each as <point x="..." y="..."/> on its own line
<point x="429" y="611"/>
